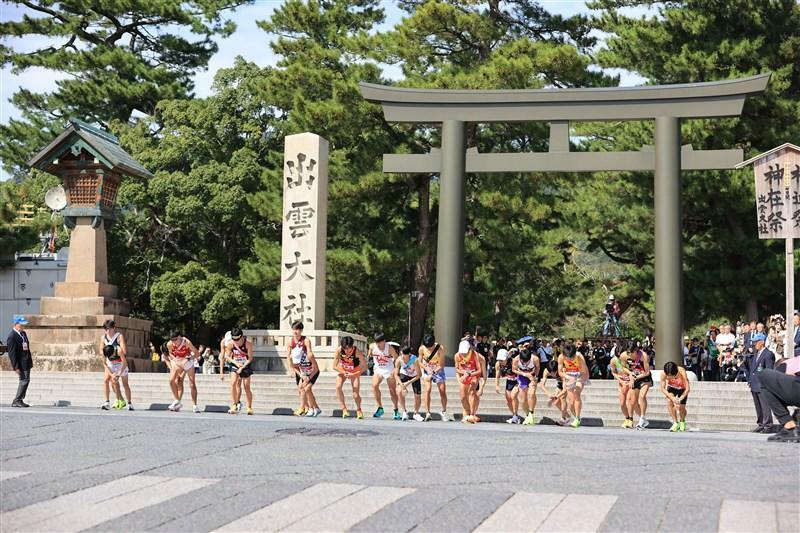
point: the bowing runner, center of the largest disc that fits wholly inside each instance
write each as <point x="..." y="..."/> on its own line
<point x="503" y="369"/>
<point x="431" y="355"/>
<point x="575" y="374"/>
<point x="303" y="365"/>
<point x="350" y="364"/>
<point x="471" y="372"/>
<point x="383" y="354"/>
<point x="407" y="371"/>
<point x="116" y="340"/>
<point x="559" y="399"/>
<point x="239" y="354"/>
<point x="675" y="388"/>
<point x="620" y="369"/>
<point x="526" y="367"/>
<point x="181" y="353"/>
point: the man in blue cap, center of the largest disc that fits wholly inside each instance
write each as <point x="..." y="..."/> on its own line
<point x="19" y="352"/>
<point x="760" y="359"/>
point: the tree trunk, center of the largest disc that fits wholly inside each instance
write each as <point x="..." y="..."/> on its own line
<point x="423" y="269"/>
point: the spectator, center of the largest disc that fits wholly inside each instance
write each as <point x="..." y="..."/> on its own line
<point x="726" y="340"/>
<point x="208" y="362"/>
<point x="796" y="332"/>
<point x="712" y="367"/>
<point x="756" y="362"/>
<point x="696" y="353"/>
<point x="154" y="355"/>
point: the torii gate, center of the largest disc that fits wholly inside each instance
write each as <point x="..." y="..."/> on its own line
<point x="666" y="104"/>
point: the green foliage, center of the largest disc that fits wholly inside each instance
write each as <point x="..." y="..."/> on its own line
<point x="111" y="57"/>
<point x="727" y="268"/>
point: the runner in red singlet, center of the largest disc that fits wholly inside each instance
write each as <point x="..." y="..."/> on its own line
<point x="675" y="388"/>
<point x="181" y="352"/>
<point x="350" y="363"/>
<point x="302" y="363"/>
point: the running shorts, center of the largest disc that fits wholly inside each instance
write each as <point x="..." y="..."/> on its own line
<point x="524" y="382"/>
<point x="246" y="372"/>
<point x="637" y="383"/>
<point x="384" y="371"/>
<point x="115" y="367"/>
<point x="416" y="385"/>
<point x="313" y="378"/>
<point x="511" y="384"/>
<point x="677" y="393"/>
<point x="436" y="378"/>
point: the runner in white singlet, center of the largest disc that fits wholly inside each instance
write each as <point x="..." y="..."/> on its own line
<point x="383" y="355"/>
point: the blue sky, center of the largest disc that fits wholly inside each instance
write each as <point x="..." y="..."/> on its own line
<point x="249" y="41"/>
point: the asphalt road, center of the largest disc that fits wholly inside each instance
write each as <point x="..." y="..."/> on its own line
<point x="67" y="469"/>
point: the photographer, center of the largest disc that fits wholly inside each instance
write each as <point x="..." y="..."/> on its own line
<point x="612" y="314"/>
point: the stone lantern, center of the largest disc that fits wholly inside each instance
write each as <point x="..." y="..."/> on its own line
<point x="91" y="166"/>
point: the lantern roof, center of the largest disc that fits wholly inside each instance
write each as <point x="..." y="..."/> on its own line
<point x="100" y="144"/>
<point x="755" y="159"/>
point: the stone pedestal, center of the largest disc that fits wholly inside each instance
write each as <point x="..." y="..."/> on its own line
<point x="66" y="334"/>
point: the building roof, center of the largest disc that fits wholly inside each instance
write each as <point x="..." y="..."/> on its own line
<point x="101" y="144"/>
<point x="765" y="154"/>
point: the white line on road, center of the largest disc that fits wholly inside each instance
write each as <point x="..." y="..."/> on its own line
<point x="89" y="507"/>
<point x="11" y="474"/>
<point x="744" y="516"/>
<point x="528" y="508"/>
<point x="283" y="513"/>
<point x="351" y="510"/>
<point x="579" y="512"/>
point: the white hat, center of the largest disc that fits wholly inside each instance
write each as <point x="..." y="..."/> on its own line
<point x="464" y="347"/>
<point x="611" y="297"/>
<point x="502" y="354"/>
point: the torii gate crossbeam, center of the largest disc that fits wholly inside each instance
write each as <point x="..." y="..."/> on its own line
<point x="666" y="104"/>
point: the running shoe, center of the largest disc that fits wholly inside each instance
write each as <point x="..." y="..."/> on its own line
<point x="310" y="413"/>
<point x="445" y="416"/>
<point x="360" y="414"/>
<point x="378" y="412"/>
<point x="675" y="427"/>
<point x="513" y="420"/>
<point x="195" y="408"/>
<point x="404" y="416"/>
<point x="345" y="413"/>
<point x="576" y="422"/>
<point x="178" y="407"/>
<point x="120" y="405"/>
<point x="563" y="422"/>
<point x="231" y="411"/>
<point x="476" y="419"/>
<point x="249" y="410"/>
<point x="682" y="425"/>
<point x="300" y="411"/>
<point x="529" y="420"/>
<point x="427" y="417"/>
<point x="643" y="422"/>
<point x="130" y="407"/>
<point x="105" y="406"/>
<point x="172" y="405"/>
<point x="471" y="419"/>
<point x="418" y="417"/>
<point x="628" y="424"/>
<point x="396" y="415"/>
<point x="238" y="407"/>
<point x="317" y="412"/>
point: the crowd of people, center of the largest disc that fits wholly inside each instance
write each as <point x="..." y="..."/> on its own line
<point x="518" y="368"/>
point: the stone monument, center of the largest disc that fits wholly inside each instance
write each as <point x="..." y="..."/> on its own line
<point x="65" y="334"/>
<point x="304" y="242"/>
<point x="305" y="229"/>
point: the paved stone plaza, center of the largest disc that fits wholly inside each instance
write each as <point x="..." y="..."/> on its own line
<point x="69" y="469"/>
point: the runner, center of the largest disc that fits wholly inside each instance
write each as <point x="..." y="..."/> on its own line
<point x="383" y="354"/>
<point x="407" y="371"/>
<point x="503" y="368"/>
<point x="181" y="351"/>
<point x="526" y="367"/>
<point x="350" y="364"/>
<point x="559" y="399"/>
<point x="303" y="365"/>
<point x="642" y="381"/>
<point x="574" y="374"/>
<point x="117" y="367"/>
<point x="620" y="369"/>
<point x="431" y="355"/>
<point x="675" y="388"/>
<point x="222" y="362"/>
<point x="115" y="339"/>
<point x="470" y="371"/>
<point x="239" y="353"/>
